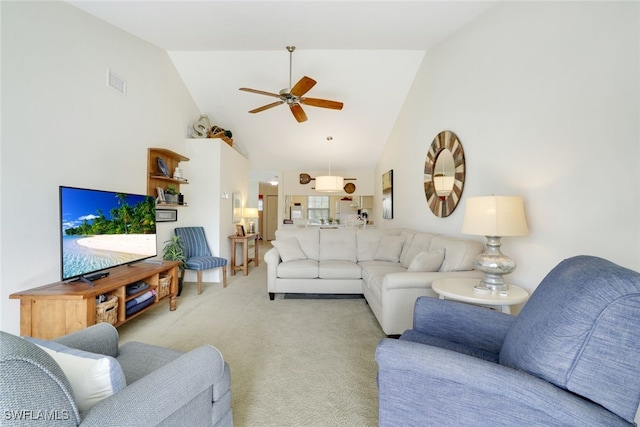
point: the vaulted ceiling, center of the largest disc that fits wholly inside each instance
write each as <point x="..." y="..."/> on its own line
<point x="362" y="53"/>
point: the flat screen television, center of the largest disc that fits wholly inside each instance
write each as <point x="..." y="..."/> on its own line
<point x="104" y="229"/>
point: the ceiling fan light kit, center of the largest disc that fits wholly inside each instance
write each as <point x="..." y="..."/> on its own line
<point x="293" y="95"/>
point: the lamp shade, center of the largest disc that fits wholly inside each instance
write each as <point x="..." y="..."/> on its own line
<point x="495" y="216"/>
<point x="250" y="212"/>
<point x="329" y="183"/>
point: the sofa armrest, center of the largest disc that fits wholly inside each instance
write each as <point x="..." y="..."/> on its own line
<point x="155" y="397"/>
<point x="419" y="382"/>
<point x="461" y="323"/>
<point x="272" y="257"/>
<point x="101" y="338"/>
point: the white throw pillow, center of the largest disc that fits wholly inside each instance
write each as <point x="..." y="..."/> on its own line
<point x="389" y="249"/>
<point x="289" y="249"/>
<point x="92" y="376"/>
<point x="427" y="261"/>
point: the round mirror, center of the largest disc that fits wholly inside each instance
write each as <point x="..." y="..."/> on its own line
<point x="444" y="172"/>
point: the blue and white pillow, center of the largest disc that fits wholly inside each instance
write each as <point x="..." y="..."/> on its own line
<point x="92" y="376"/>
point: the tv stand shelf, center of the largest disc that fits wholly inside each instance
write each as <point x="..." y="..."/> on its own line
<point x="59" y="308"/>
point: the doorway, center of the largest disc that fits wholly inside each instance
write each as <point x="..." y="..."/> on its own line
<point x="271" y="217"/>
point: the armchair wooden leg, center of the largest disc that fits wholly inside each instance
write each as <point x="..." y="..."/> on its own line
<point x="224" y="276"/>
<point x="199" y="282"/>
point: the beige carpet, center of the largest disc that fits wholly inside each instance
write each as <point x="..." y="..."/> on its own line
<point x="294" y="362"/>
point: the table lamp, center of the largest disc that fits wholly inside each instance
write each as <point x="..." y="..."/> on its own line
<point x="250" y="214"/>
<point x="494" y="217"/>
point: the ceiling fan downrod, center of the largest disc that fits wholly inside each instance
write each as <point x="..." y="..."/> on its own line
<point x="290" y="49"/>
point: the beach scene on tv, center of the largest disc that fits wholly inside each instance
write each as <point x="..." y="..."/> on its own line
<point x="102" y="229"/>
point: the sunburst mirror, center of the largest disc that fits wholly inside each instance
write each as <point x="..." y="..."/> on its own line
<point x="444" y="173"/>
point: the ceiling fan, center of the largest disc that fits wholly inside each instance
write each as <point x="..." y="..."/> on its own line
<point x="293" y="96"/>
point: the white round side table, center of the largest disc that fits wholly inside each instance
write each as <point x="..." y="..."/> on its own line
<point x="461" y="289"/>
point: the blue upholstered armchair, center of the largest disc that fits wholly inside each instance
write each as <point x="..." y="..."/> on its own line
<point x="198" y="255"/>
<point x="571" y="357"/>
<point x="87" y="379"/>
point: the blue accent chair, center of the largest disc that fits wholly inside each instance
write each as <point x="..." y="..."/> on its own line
<point x="571" y="357"/>
<point x="164" y="387"/>
<point x="198" y="255"/>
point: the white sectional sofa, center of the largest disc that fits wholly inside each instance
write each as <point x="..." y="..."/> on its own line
<point x="390" y="267"/>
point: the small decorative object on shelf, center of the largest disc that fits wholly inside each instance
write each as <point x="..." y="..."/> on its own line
<point x="218" y="132"/>
<point x="201" y="127"/>
<point x="162" y="166"/>
<point x="171" y="195"/>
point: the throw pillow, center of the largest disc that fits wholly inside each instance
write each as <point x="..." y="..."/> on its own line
<point x="289" y="249"/>
<point x="92" y="376"/>
<point x="389" y="249"/>
<point x="427" y="261"/>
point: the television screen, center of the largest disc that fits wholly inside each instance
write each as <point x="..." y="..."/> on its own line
<point x="104" y="229"/>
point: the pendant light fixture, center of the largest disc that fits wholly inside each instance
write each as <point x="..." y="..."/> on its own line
<point x="329" y="183"/>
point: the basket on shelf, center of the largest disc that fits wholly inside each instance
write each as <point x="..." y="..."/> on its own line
<point x="107" y="311"/>
<point x="163" y="286"/>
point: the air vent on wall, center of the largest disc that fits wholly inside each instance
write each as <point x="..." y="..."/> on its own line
<point x="116" y="82"/>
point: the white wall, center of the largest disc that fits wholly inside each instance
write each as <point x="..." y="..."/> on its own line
<point x="544" y="97"/>
<point x="216" y="168"/>
<point x="62" y="125"/>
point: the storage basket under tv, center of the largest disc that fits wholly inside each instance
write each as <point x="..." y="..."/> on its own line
<point x="164" y="284"/>
<point x="107" y="311"/>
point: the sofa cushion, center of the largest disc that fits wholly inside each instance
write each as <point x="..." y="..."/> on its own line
<point x="427" y="261"/>
<point x="459" y="255"/>
<point x="302" y="269"/>
<point x="338" y="244"/>
<point x="420" y="242"/>
<point x="307" y="238"/>
<point x="335" y="269"/>
<point x="408" y="241"/>
<point x="389" y="248"/>
<point x="92" y="376"/>
<point x="367" y="241"/>
<point x="371" y="270"/>
<point x="289" y="249"/>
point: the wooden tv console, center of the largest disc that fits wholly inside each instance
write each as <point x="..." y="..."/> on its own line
<point x="59" y="308"/>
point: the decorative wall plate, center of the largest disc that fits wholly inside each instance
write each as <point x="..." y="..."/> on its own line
<point x="305" y="178"/>
<point x="349" y="187"/>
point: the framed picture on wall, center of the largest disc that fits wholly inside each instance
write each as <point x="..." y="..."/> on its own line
<point x="237" y="207"/>
<point x="387" y="195"/>
<point x="166" y="215"/>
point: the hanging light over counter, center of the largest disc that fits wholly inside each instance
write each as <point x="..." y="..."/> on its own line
<point x="329" y="183"/>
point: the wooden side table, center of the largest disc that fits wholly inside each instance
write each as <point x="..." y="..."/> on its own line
<point x="461" y="289"/>
<point x="244" y="241"/>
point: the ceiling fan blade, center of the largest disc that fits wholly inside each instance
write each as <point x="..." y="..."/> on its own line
<point x="259" y="92"/>
<point x="266" y="107"/>
<point x="298" y="113"/>
<point x="324" y="103"/>
<point x="303" y="86"/>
